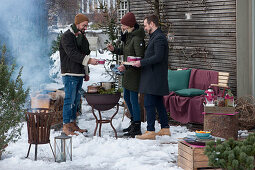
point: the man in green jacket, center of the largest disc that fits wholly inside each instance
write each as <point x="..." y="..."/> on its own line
<point x="133" y="45"/>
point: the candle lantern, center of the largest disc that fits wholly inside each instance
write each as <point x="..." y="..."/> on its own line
<point x="209" y="98"/>
<point x="63" y="148"/>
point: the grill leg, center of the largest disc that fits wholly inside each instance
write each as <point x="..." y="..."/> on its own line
<point x="100" y="122"/>
<point x="95" y="131"/>
<point x="53" y="152"/>
<point x="35" y="152"/>
<point x="28" y="151"/>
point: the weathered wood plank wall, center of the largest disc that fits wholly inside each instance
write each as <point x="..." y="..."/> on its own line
<point x="206" y="41"/>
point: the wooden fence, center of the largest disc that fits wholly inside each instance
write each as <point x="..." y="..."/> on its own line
<point x="201" y="33"/>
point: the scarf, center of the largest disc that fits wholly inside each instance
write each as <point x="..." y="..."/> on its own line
<point x="123" y="36"/>
<point x="82" y="41"/>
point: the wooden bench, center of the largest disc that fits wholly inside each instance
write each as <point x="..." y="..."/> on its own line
<point x="223" y="78"/>
<point x="182" y="113"/>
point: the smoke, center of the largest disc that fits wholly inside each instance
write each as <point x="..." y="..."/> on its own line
<point x="23" y="28"/>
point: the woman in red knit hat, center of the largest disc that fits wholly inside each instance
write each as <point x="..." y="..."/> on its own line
<point x="133" y="44"/>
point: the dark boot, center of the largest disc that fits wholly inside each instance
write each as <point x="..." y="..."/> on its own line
<point x="135" y="130"/>
<point x="129" y="127"/>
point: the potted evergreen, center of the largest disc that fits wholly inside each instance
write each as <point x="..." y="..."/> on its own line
<point x="232" y="154"/>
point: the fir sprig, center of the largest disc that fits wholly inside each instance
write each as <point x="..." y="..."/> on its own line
<point x="232" y="154"/>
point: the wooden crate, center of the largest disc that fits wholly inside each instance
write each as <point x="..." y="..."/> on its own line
<point x="191" y="157"/>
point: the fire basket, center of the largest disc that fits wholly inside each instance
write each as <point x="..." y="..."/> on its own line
<point x="38" y="127"/>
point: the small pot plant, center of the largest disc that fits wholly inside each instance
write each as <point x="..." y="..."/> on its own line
<point x="232" y="154"/>
<point x="110" y="91"/>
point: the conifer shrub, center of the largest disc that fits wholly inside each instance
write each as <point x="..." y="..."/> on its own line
<point x="232" y="154"/>
<point x="56" y="43"/>
<point x="12" y="100"/>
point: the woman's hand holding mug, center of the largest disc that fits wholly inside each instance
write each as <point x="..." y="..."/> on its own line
<point x="121" y="68"/>
<point x="93" y="61"/>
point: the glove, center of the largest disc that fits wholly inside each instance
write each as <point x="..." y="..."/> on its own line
<point x="116" y="71"/>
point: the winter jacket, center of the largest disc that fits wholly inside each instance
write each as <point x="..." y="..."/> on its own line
<point x="71" y="57"/>
<point x="155" y="65"/>
<point x="133" y="45"/>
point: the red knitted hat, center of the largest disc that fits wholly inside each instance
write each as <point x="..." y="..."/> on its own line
<point x="128" y="19"/>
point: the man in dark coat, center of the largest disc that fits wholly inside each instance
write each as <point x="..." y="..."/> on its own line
<point x="153" y="82"/>
<point x="74" y="59"/>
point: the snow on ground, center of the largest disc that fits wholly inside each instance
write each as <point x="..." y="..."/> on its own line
<point x="106" y="152"/>
<point x="94" y="152"/>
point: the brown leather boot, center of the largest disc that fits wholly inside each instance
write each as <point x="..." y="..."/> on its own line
<point x="147" y="135"/>
<point x="164" y="131"/>
<point x="67" y="129"/>
<point x="75" y="127"/>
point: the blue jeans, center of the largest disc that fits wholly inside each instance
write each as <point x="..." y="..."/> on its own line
<point x="72" y="87"/>
<point x="151" y="103"/>
<point x="131" y="99"/>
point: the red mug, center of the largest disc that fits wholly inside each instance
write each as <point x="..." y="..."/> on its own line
<point x="101" y="61"/>
<point x="131" y="58"/>
<point x="138" y="58"/>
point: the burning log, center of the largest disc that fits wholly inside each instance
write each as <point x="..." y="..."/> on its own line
<point x="53" y="101"/>
<point x="40" y="101"/>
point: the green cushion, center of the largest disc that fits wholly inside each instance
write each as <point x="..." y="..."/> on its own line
<point x="178" y="79"/>
<point x="190" y="92"/>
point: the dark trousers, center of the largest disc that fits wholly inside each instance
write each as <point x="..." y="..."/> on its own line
<point x="131" y="99"/>
<point x="151" y="103"/>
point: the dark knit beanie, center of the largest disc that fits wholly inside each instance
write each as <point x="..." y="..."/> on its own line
<point x="79" y="18"/>
<point x="128" y="19"/>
